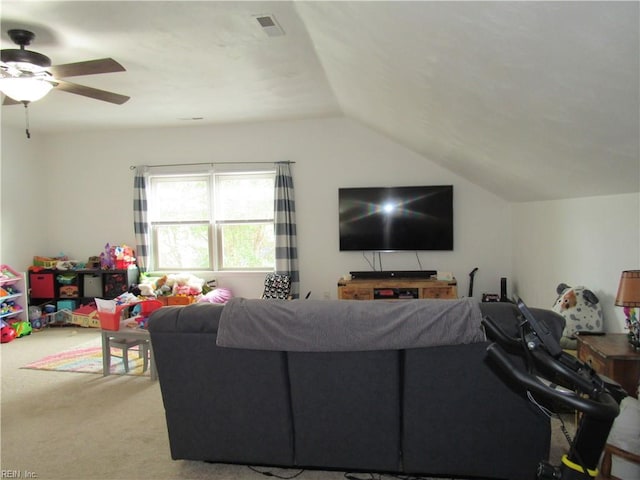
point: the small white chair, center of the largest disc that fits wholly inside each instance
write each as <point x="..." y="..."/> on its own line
<point x="126" y="344"/>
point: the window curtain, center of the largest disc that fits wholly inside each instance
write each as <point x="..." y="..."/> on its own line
<point x="285" y="227"/>
<point x="140" y="225"/>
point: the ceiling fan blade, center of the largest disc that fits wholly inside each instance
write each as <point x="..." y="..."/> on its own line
<point x="90" y="67"/>
<point x="91" y="92"/>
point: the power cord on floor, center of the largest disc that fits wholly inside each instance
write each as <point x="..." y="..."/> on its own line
<point x="347" y="475"/>
<point x="382" y="476"/>
<point x="269" y="473"/>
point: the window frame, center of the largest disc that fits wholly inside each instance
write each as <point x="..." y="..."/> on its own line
<point x="215" y="225"/>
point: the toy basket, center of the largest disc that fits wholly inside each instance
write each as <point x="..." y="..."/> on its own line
<point x="66" y="279"/>
<point x="9" y="272"/>
<point x="111" y="320"/>
<point x="148" y="306"/>
<point x="44" y="262"/>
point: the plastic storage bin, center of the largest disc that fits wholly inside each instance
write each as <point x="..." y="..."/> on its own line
<point x="42" y="285"/>
<point x="66" y="305"/>
<point x="111" y="320"/>
<point x="92" y="285"/>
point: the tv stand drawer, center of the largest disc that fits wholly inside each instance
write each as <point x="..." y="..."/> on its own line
<point x="396" y="289"/>
<point x="355" y="294"/>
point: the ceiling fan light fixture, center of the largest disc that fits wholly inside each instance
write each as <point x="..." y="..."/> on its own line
<point x="25" y="89"/>
<point x="28" y="57"/>
<point x="27" y="76"/>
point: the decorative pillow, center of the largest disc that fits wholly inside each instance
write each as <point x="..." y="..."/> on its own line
<point x="581" y="310"/>
<point x="277" y="286"/>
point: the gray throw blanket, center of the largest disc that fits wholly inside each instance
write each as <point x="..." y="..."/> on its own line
<point x="348" y="325"/>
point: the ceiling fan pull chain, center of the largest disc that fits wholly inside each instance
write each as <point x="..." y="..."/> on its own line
<point x="26" y="117"/>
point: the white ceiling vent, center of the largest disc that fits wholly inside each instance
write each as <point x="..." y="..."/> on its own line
<point x="270" y="25"/>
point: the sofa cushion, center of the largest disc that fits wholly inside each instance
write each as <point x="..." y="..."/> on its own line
<point x="346" y="409"/>
<point x="453" y="386"/>
<point x="221" y="404"/>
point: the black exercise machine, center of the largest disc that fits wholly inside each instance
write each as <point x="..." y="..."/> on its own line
<point x="554" y="376"/>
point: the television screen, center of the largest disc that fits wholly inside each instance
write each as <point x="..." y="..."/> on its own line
<point x="396" y="218"/>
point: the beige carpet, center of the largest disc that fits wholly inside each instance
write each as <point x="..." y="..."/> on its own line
<point x="64" y="425"/>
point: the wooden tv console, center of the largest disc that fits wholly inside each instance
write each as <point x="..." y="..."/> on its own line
<point x="396" y="289"/>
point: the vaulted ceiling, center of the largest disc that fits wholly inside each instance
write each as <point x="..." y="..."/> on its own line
<point x="530" y="100"/>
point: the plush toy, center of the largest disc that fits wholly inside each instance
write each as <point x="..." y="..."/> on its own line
<point x="184" y="284"/>
<point x="160" y="282"/>
<point x="146" y="289"/>
<point x="106" y="260"/>
<point x="581" y="310"/>
<point x="181" y="289"/>
<point x="217" y="295"/>
<point x="151" y="286"/>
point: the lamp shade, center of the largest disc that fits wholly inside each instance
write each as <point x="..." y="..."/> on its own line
<point x="629" y="289"/>
<point x="25" y="89"/>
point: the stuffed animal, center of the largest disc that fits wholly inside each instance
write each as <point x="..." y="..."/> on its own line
<point x="217" y="295"/>
<point x="184" y="284"/>
<point x="581" y="310"/>
<point x="146" y="289"/>
<point x="151" y="286"/>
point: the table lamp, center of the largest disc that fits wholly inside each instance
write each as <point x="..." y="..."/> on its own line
<point x="629" y="297"/>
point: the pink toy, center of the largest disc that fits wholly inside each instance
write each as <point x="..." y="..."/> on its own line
<point x="217" y="295"/>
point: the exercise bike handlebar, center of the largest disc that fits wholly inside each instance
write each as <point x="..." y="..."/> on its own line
<point x="542" y="357"/>
<point x="602" y="406"/>
<point x="574" y="373"/>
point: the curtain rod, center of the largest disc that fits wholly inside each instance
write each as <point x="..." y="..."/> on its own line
<point x="133" y="167"/>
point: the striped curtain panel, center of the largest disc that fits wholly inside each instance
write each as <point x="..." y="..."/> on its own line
<point x="285" y="227"/>
<point x="140" y="225"/>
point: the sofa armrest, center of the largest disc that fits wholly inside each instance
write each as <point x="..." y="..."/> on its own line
<point x="221" y="404"/>
<point x="194" y="318"/>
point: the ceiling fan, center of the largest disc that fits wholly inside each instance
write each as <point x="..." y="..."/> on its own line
<point x="27" y="76"/>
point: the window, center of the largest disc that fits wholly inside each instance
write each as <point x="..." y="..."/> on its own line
<point x="217" y="221"/>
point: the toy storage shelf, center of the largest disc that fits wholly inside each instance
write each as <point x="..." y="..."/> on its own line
<point x="69" y="289"/>
<point x="12" y="295"/>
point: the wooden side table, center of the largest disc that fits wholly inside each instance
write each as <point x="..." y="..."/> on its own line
<point x="612" y="356"/>
<point x="609" y="450"/>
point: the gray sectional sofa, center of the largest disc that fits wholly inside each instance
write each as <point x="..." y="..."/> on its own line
<point x="431" y="410"/>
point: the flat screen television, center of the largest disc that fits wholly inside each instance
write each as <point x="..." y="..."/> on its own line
<point x="396" y="218"/>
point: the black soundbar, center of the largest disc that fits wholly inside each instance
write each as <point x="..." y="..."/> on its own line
<point x="368" y="275"/>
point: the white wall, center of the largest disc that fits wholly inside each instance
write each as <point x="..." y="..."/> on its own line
<point x="584" y="241"/>
<point x="72" y="193"/>
<point x="22" y="199"/>
<point x="87" y="196"/>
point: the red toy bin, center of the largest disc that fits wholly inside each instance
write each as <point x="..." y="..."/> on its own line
<point x="41" y="285"/>
<point x="111" y="320"/>
<point x="148" y="306"/>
